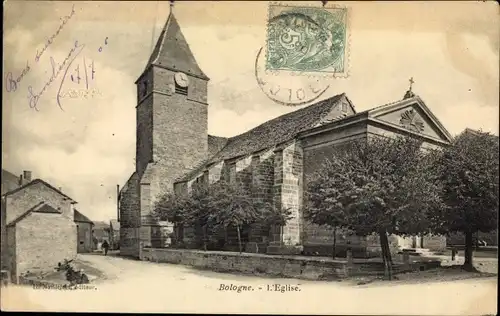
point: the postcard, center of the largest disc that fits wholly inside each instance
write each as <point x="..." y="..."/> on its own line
<point x="290" y="157"/>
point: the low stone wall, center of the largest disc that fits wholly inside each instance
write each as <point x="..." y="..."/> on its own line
<point x="301" y="267"/>
<point x="284" y="266"/>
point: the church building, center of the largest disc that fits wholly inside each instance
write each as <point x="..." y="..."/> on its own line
<point x="174" y="150"/>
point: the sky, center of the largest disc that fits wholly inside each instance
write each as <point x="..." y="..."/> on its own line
<point x="86" y="145"/>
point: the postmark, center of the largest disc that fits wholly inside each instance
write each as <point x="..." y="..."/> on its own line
<point x="285" y="89"/>
<point x="307" y="40"/>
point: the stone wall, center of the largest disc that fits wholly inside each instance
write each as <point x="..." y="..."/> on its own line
<point x="299" y="267"/>
<point x="130" y="217"/>
<point x="434" y="242"/>
<point x="307" y="268"/>
<point x="84" y="237"/>
<point x="11" y="256"/>
<point x="3" y="240"/>
<point x="43" y="240"/>
<point x="288" y="189"/>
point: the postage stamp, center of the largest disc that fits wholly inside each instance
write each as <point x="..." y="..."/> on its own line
<point x="305" y="39"/>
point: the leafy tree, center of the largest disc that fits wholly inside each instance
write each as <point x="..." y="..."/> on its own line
<point x="322" y="206"/>
<point x="383" y="186"/>
<point x="232" y="206"/>
<point x="174" y="208"/>
<point x="200" y="214"/>
<point x="271" y="216"/>
<point x="469" y="171"/>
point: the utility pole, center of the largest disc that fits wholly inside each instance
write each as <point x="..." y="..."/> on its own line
<point x="118" y="202"/>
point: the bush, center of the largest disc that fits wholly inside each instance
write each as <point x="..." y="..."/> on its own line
<point x="73" y="276"/>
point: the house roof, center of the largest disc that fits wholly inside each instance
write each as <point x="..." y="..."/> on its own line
<point x="270" y="133"/>
<point x="215" y="144"/>
<point x="477" y="132"/>
<point x="9" y="176"/>
<point x="79" y="217"/>
<point x="301" y="122"/>
<point x="101" y="225"/>
<point x="115" y="224"/>
<point x="276" y="131"/>
<point x="172" y="51"/>
<point x="35" y="182"/>
<point x="9" y="181"/>
<point x="41" y="207"/>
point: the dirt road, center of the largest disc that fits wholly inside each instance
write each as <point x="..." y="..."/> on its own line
<point x="135" y="286"/>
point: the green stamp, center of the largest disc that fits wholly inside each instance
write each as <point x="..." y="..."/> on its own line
<point x="307" y="39"/>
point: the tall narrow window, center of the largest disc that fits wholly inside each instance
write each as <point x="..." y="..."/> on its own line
<point x="344" y="107"/>
<point x="144" y="88"/>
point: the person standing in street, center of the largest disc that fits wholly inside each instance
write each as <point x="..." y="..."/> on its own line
<point x="105" y="246"/>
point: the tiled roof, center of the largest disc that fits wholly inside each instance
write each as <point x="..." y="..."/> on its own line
<point x="172" y="51"/>
<point x="215" y="144"/>
<point x="270" y="133"/>
<point x="38" y="181"/>
<point x="9" y="181"/>
<point x="276" y="131"/>
<point x="7" y="175"/>
<point x="79" y="217"/>
<point x="38" y="208"/>
<point x="478" y="132"/>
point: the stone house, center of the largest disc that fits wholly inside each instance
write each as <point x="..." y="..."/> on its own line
<point x="175" y="152"/>
<point x="114" y="226"/>
<point x="9" y="182"/>
<point x="37" y="228"/>
<point x="84" y="227"/>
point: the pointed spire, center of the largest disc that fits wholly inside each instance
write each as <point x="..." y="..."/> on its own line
<point x="409" y="93"/>
<point x="172" y="51"/>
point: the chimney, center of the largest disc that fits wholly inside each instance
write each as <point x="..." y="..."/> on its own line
<point x="27" y="176"/>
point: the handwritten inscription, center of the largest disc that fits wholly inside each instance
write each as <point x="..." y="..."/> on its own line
<point x="59" y="70"/>
<point x="75" y="76"/>
<point x="51" y="39"/>
<point x="56" y="70"/>
<point x="105" y="43"/>
<point x="11" y="83"/>
<point x="80" y="93"/>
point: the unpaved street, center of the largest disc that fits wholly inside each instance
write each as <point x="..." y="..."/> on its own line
<point x="135" y="286"/>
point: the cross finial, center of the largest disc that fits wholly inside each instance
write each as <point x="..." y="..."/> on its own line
<point x="171" y="5"/>
<point x="409" y="93"/>
<point x="324" y="3"/>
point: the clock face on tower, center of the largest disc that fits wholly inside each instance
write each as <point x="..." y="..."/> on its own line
<point x="181" y="79"/>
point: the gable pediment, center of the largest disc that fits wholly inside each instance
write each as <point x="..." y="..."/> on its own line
<point x="413" y="115"/>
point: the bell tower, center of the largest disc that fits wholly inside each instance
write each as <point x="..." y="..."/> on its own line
<point x="171" y="130"/>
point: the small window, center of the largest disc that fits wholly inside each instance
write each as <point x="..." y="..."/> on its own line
<point x="181" y="90"/>
<point x="344" y="107"/>
<point x="144" y="87"/>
